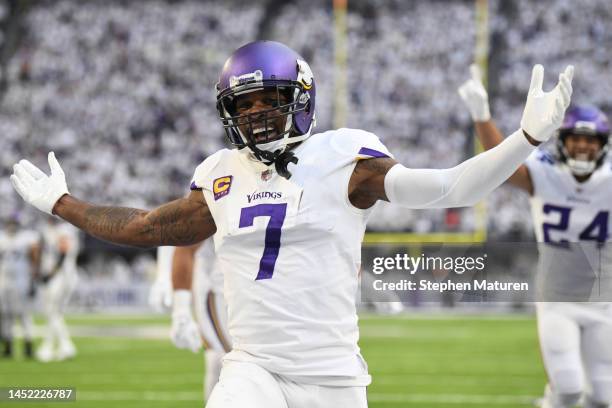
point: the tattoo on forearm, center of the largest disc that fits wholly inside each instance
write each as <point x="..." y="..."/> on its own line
<point x="176" y="223"/>
<point x="109" y="220"/>
<point x="181" y="222"/>
<point x="167" y="226"/>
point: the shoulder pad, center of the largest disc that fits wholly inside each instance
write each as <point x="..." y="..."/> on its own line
<point x="358" y="144"/>
<point x="198" y="181"/>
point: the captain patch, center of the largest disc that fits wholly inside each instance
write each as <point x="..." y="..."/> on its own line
<point x="221" y="186"/>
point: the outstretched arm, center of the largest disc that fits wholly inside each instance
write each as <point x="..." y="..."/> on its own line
<point x="181" y="222"/>
<point x="472" y="180"/>
<point x="460" y="186"/>
<point x="476" y="99"/>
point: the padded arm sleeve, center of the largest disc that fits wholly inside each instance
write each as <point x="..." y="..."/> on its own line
<point x="460" y="186"/>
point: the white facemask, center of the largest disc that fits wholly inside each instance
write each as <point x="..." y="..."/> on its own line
<point x="273" y="145"/>
<point x="281" y="144"/>
<point x="580" y="167"/>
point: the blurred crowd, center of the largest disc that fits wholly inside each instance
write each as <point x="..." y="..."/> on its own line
<point x="123" y="92"/>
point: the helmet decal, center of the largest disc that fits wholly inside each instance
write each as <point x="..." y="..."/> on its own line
<point x="305" y="76"/>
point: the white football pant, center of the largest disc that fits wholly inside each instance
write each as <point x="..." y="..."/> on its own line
<point x="247" y="385"/>
<point x="211" y="315"/>
<point x="576" y="345"/>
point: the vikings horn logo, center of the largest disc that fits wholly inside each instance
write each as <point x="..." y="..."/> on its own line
<point x="305" y="76"/>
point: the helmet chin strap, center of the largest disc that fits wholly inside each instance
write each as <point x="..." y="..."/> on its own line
<point x="277" y="152"/>
<point x="280" y="158"/>
<point x="281" y="162"/>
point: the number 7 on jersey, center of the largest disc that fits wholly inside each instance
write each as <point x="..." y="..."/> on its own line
<point x="277" y="213"/>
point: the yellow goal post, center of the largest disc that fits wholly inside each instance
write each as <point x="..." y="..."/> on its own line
<point x="481" y="52"/>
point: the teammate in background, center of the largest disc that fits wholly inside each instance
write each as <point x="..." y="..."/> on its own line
<point x="385" y="303"/>
<point x="202" y="291"/>
<point x="160" y="294"/>
<point x="288" y="212"/>
<point x="571" y="197"/>
<point x="60" y="247"/>
<point x="19" y="262"/>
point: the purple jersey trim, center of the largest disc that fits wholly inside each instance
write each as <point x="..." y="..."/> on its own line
<point x="194" y="187"/>
<point x="371" y="152"/>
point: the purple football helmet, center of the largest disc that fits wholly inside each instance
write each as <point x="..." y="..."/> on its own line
<point x="583" y="120"/>
<point x="267" y="65"/>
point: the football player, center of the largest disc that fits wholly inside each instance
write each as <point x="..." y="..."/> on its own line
<point x="571" y="197"/>
<point x="288" y="211"/>
<point x="60" y="246"/>
<point x="201" y="292"/>
<point x="19" y="262"/>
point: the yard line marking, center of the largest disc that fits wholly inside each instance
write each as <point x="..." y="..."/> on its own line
<point x="372" y="397"/>
<point x="453" y="398"/>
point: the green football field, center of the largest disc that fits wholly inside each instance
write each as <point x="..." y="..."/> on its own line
<point x="415" y="361"/>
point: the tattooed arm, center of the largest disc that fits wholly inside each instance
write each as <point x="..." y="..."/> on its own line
<point x="184" y="221"/>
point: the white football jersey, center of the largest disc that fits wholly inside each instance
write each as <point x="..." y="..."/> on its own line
<point x="290" y="252"/>
<point x="572" y="222"/>
<point x="15" y="264"/>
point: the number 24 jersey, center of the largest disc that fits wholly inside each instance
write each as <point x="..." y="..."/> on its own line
<point x="573" y="222"/>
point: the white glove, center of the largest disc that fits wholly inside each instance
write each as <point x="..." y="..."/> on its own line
<point x="544" y="111"/>
<point x="160" y="294"/>
<point x="184" y="333"/>
<point x="38" y="189"/>
<point x="475" y="96"/>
